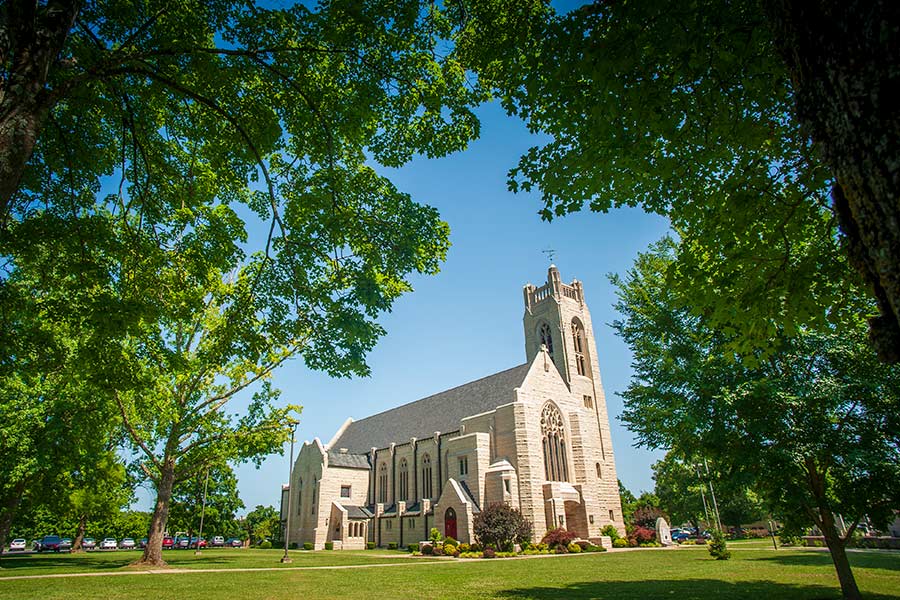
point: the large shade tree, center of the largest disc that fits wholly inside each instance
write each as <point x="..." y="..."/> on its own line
<point x="187" y="191"/>
<point x="760" y="128"/>
<point x="814" y="426"/>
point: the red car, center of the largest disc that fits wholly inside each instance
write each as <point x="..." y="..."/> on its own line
<point x="168" y="543"/>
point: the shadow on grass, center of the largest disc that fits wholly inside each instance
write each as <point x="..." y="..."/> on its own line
<point x="694" y="589"/>
<point x="41" y="562"/>
<point x="812" y="558"/>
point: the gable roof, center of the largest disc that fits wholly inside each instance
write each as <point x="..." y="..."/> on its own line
<point x="351" y="461"/>
<point x="440" y="412"/>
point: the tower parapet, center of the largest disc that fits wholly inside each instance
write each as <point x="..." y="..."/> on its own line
<point x="554" y="288"/>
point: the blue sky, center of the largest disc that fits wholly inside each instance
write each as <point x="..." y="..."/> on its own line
<point x="466" y="322"/>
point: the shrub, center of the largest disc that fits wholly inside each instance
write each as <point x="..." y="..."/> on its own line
<point x="392" y="545"/>
<point x="451" y="541"/>
<point x="307" y="545"/>
<point x="427" y="549"/>
<point x="413" y="547"/>
<point x="437" y="549"/>
<point x="470" y="555"/>
<point x="620" y="543"/>
<point x="265" y="545"/>
<point x="558" y="538"/>
<point x="717" y="547"/>
<point x="640" y="535"/>
<point x="464" y="547"/>
<point x="501" y="526"/>
<point x="435" y="535"/>
<point x="489" y="553"/>
<point x="294" y="545"/>
<point x="504" y="554"/>
<point x="574" y="548"/>
<point x="450" y="550"/>
<point x="476" y="547"/>
<point x="370" y="545"/>
<point x="787" y="539"/>
<point x="584" y="544"/>
<point x="611" y="531"/>
<point x="593" y="548"/>
<point x="329" y="545"/>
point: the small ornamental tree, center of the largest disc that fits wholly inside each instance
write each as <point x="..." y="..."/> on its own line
<point x="718" y="549"/>
<point x="500" y="526"/>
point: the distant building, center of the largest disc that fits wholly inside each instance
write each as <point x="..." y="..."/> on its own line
<point x="535" y="436"/>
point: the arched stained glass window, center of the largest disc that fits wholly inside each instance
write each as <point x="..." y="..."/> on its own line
<point x="546" y="337"/>
<point x="382" y="483"/>
<point x="578" y="341"/>
<point x="426" y="476"/>
<point x="553" y="438"/>
<point x="404" y="480"/>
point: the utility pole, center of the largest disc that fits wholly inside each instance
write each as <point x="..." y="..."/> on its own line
<point x="287" y="526"/>
<point x="202" y="514"/>
<point x="713" y="494"/>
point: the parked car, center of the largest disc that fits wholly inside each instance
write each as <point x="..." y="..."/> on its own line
<point x="218" y="541"/>
<point x="17" y="545"/>
<point x="88" y="544"/>
<point x="680" y="535"/>
<point x="195" y="543"/>
<point x="142" y="543"/>
<point x="234" y="542"/>
<point x="65" y="545"/>
<point x="127" y="544"/>
<point x="168" y="543"/>
<point x="49" y="543"/>
<point x="109" y="544"/>
<point x="182" y="543"/>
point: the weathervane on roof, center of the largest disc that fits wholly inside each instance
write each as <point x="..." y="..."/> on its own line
<point x="550" y="252"/>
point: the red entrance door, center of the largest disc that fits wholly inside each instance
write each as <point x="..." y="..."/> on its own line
<point x="450" y="523"/>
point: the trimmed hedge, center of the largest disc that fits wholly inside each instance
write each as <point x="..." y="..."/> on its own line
<point x="329" y="545"/>
<point x="308" y="546"/>
<point x="370" y="545"/>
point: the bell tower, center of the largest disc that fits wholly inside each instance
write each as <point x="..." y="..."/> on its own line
<point x="556" y="316"/>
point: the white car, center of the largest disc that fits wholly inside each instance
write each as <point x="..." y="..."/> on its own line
<point x="127" y="544"/>
<point x="109" y="544"/>
<point x="17" y="545"/>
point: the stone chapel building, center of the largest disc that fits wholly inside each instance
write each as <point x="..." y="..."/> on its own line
<point x="535" y="436"/>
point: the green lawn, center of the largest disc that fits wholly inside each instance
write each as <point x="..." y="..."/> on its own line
<point x="640" y="575"/>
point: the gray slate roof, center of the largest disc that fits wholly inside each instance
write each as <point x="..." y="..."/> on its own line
<point x="352" y="461"/>
<point x="357" y="512"/>
<point x="440" y="412"/>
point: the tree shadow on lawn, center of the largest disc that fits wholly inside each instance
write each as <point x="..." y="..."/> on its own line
<point x="693" y="589"/>
<point x="40" y="564"/>
<point x="811" y="558"/>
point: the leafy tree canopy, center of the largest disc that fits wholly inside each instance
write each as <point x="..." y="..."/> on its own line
<point x="813" y="426"/>
<point x="690" y="111"/>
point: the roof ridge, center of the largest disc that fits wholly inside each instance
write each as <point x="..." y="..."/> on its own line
<point x="456" y="387"/>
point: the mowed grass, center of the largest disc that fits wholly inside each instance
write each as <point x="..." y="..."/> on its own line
<point x="93" y="562"/>
<point x="686" y="573"/>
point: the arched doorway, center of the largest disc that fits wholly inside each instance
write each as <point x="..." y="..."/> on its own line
<point x="450" y="523"/>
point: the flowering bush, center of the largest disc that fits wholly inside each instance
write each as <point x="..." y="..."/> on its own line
<point x="500" y="525"/>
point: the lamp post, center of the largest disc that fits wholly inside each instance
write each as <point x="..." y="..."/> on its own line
<point x="287" y="527"/>
<point x="202" y="514"/>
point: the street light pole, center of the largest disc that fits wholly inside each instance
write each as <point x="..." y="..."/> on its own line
<point x="202" y="514"/>
<point x="287" y="525"/>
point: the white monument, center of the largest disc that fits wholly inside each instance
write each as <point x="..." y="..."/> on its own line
<point x="663" y="534"/>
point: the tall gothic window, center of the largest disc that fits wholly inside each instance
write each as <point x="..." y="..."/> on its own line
<point x="546" y="338"/>
<point x="314" y="493"/>
<point x="426" y="476"/>
<point x="404" y="480"/>
<point x="299" y="495"/>
<point x="553" y="435"/>
<point x="382" y="483"/>
<point x="578" y="341"/>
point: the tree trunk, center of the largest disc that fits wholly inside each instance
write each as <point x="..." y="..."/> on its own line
<point x="79" y="535"/>
<point x="36" y="35"/>
<point x="153" y="552"/>
<point x="842" y="56"/>
<point x="8" y="512"/>
<point x="838" y="549"/>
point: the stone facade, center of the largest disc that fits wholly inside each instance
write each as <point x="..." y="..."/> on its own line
<point x="535" y="436"/>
